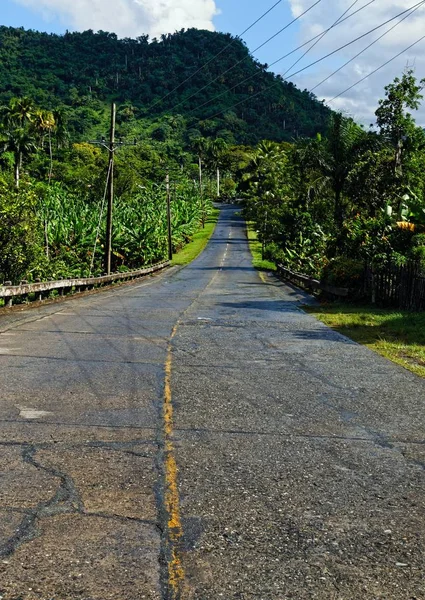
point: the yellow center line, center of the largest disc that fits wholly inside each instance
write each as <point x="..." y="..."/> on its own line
<point x="176" y="574"/>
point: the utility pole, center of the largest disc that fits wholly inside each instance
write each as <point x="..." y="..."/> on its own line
<point x="201" y="193"/>
<point x="170" y="238"/>
<point x="108" y="241"/>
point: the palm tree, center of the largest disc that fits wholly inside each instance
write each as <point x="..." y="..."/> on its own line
<point x="19" y="112"/>
<point x="44" y="122"/>
<point x="21" y="143"/>
<point x="61" y="131"/>
<point x="200" y="145"/>
<point x="334" y="157"/>
<point x="216" y="151"/>
<point x="16" y="131"/>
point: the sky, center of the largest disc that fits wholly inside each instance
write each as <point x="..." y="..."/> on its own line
<point x="135" y="17"/>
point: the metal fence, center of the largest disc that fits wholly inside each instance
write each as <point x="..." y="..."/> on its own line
<point x="41" y="290"/>
<point x="310" y="284"/>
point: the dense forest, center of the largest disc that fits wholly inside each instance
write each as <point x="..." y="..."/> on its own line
<point x="79" y="73"/>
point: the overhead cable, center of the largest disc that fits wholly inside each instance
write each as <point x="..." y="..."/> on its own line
<point x="379" y="68"/>
<point x="218" y="54"/>
<point x="259" y="72"/>
<point x="319" y="39"/>
<point x="367" y="48"/>
<point x="319" y="60"/>
<point x="243" y="59"/>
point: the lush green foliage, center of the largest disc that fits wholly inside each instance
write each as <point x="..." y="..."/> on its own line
<point x="20" y="235"/>
<point x="80" y="73"/>
<point x="52" y="198"/>
<point x="48" y="231"/>
<point x="325" y="206"/>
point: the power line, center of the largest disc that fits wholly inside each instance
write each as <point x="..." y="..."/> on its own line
<point x="323" y="57"/>
<point x="217" y="55"/>
<point x="320" y="38"/>
<point x="379" y="68"/>
<point x="243" y="59"/>
<point x="283" y="57"/>
<point x="367" y="48"/>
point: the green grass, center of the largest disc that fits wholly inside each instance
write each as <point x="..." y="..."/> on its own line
<point x="256" y="250"/>
<point x="199" y="241"/>
<point x="397" y="335"/>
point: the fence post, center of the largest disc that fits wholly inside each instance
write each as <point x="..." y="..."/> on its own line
<point x="373" y="285"/>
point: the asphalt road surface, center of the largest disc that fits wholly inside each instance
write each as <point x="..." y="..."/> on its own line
<point x="198" y="436"/>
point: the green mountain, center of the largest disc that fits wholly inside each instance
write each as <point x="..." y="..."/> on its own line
<point x="83" y="72"/>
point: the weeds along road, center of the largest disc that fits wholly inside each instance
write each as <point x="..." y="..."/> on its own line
<point x="199" y="436"/>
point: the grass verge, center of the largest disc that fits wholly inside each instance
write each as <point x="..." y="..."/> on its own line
<point x="397" y="335"/>
<point x="199" y="241"/>
<point x="256" y="250"/>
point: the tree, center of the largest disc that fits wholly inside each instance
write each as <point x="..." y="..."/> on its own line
<point x="216" y="150"/>
<point x="266" y="183"/>
<point x="398" y="127"/>
<point x="21" y="143"/>
<point x="200" y="145"/>
<point x="17" y="135"/>
<point x="44" y="123"/>
<point x="334" y="157"/>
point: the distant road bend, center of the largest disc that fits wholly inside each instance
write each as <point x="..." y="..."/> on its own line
<point x="198" y="436"/>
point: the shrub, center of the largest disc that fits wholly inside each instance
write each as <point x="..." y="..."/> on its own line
<point x="21" y="242"/>
<point x="343" y="272"/>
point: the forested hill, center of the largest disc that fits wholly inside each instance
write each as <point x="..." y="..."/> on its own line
<point x="84" y="71"/>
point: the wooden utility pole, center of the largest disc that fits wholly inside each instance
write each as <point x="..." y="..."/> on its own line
<point x="108" y="241"/>
<point x="170" y="236"/>
<point x="201" y="193"/>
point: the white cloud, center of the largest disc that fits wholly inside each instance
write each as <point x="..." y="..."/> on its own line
<point x="361" y="101"/>
<point x="128" y="18"/>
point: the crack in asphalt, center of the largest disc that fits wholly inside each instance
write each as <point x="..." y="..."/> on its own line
<point x="66" y="499"/>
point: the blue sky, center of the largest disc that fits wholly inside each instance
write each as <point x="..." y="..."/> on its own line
<point x="15" y="15"/>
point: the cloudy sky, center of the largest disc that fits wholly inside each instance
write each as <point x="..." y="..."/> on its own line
<point x="135" y="17"/>
<point x="361" y="101"/>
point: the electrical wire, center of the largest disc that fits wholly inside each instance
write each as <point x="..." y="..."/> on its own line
<point x="217" y="55"/>
<point x="321" y="59"/>
<point x="258" y="72"/>
<point x="367" y="48"/>
<point x="378" y="68"/>
<point x="243" y="59"/>
<point x="319" y="39"/>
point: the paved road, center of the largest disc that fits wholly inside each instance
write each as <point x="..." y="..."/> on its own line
<point x="198" y="436"/>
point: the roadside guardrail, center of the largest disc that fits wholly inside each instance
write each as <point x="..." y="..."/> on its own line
<point x="41" y="289"/>
<point x="310" y="284"/>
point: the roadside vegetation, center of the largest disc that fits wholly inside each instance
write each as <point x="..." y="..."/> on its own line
<point x="52" y="198"/>
<point x="199" y="240"/>
<point x="257" y="250"/>
<point x="329" y="206"/>
<point x="397" y="335"/>
<point x="326" y="206"/>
